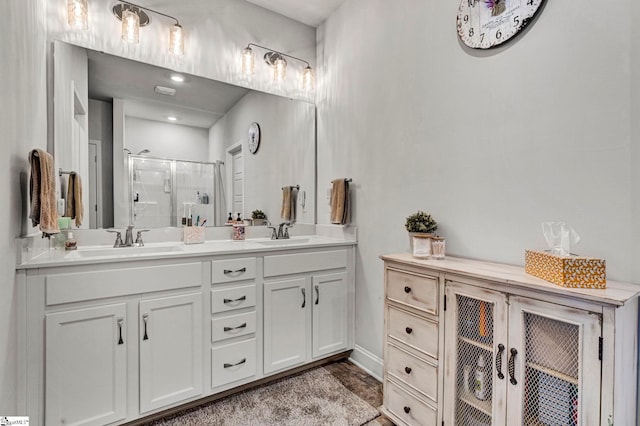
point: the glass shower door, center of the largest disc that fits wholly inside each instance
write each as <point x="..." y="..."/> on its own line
<point x="195" y="192"/>
<point x="151" y="192"/>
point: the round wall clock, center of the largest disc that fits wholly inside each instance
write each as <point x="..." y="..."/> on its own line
<point x="483" y="24"/>
<point x="254" y="137"/>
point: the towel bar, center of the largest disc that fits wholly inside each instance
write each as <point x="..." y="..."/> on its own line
<point x="293" y="187"/>
<point x="62" y="172"/>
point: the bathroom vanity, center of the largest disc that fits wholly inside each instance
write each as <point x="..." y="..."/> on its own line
<point x="108" y="336"/>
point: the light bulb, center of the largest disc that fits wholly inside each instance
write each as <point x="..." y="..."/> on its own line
<point x="248" y="61"/>
<point x="77" y="14"/>
<point x="308" y="79"/>
<point x="279" y="70"/>
<point x="130" y="26"/>
<point x="176" y="40"/>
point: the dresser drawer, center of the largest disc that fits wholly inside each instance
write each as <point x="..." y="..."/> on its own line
<point x="285" y="264"/>
<point x="233" y="362"/>
<point x="407" y="407"/>
<point x="417" y="373"/>
<point x="418" y="291"/>
<point x="413" y="330"/>
<point x="233" y="326"/>
<point x="229" y="298"/>
<point x="230" y="270"/>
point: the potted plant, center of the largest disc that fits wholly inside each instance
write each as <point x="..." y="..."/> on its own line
<point x="420" y="224"/>
<point x="259" y="217"/>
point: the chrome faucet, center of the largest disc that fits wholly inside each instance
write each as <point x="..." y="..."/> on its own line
<point x="128" y="238"/>
<point x="282" y="232"/>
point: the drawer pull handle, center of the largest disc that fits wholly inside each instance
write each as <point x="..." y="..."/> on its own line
<point x="409" y="330"/>
<point x="227" y="365"/>
<point x="407" y="289"/>
<point x="407" y="409"/>
<point x="304" y="298"/>
<point x="120" y="340"/>
<point x="237" y="271"/>
<point x="499" y="361"/>
<point x="239" y="299"/>
<point x="317" y="295"/>
<point x="243" y="325"/>
<point x="512" y="366"/>
<point x="407" y="370"/>
<point x="145" y="318"/>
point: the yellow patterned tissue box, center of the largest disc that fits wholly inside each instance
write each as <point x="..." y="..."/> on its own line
<point x="567" y="271"/>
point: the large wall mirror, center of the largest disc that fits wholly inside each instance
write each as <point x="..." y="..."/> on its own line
<point x="151" y="149"/>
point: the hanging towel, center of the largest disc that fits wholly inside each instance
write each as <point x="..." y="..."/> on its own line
<point x="289" y="197"/>
<point x="340" y="202"/>
<point x="42" y="193"/>
<point x="74" y="199"/>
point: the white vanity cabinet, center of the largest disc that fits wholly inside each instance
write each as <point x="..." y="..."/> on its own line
<point x="307" y="300"/>
<point x="513" y="349"/>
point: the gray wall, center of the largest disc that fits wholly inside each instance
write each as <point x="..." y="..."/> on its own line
<point x="491" y="143"/>
<point x="101" y="128"/>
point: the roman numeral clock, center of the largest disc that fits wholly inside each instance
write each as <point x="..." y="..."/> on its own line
<point x="483" y="24"/>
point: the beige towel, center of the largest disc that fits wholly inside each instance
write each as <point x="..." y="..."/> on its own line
<point x="340" y="202"/>
<point x="289" y="200"/>
<point x="42" y="193"/>
<point x="74" y="199"/>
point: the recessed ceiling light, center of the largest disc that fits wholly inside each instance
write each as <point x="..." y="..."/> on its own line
<point x="177" y="78"/>
<point x="172" y="118"/>
<point x="168" y="91"/>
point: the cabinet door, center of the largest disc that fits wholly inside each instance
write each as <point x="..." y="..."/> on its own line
<point x="287" y="321"/>
<point x="476" y="330"/>
<point x="329" y="316"/>
<point x="554" y="366"/>
<point x="86" y="366"/>
<point x="170" y="350"/>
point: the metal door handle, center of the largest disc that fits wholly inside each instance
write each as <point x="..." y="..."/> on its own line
<point x="120" y="340"/>
<point x="499" y="361"/>
<point x="229" y="271"/>
<point x="512" y="366"/>
<point x="409" y="330"/>
<point x="407" y="289"/>
<point x="239" y="299"/>
<point x="145" y="318"/>
<point x="243" y="325"/>
<point x="304" y="298"/>
<point x="407" y="370"/>
<point x="227" y="365"/>
<point x="407" y="409"/>
<point x="317" y="295"/>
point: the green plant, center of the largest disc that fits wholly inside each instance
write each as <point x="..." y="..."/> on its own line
<point x="421" y="222"/>
<point x="258" y="214"/>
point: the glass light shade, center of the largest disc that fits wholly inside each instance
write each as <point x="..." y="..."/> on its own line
<point x="279" y="70"/>
<point x="248" y="61"/>
<point x="77" y="14"/>
<point x="308" y="79"/>
<point x="130" y="27"/>
<point x="176" y="40"/>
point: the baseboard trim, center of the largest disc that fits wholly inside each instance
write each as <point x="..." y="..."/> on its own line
<point x="367" y="361"/>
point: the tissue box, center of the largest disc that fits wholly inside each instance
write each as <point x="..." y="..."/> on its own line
<point x="567" y="271"/>
<point x="193" y="234"/>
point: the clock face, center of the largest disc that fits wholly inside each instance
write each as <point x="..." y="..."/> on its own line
<point x="483" y="24"/>
<point x="254" y="137"/>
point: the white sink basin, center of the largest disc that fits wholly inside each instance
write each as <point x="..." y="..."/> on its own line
<point x="283" y="242"/>
<point x="92" y="252"/>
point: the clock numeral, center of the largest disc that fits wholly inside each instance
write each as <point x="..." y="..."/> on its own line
<point x="529" y="2"/>
<point x="516" y="21"/>
<point x="471" y="32"/>
<point x="472" y="3"/>
<point x="498" y="35"/>
<point x="481" y="37"/>
<point x="466" y="18"/>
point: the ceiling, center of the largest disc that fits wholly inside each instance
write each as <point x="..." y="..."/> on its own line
<point x="310" y="12"/>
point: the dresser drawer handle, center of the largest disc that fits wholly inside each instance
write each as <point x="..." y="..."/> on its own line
<point x="407" y="409"/>
<point x="407" y="370"/>
<point x="239" y="299"/>
<point x="229" y="271"/>
<point x="407" y="289"/>
<point x="243" y="325"/>
<point x="227" y="365"/>
<point x="409" y="330"/>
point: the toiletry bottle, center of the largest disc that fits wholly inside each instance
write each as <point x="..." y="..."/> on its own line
<point x="198" y="198"/>
<point x="230" y="218"/>
<point x="480" y="383"/>
<point x="239" y="219"/>
<point x="71" y="243"/>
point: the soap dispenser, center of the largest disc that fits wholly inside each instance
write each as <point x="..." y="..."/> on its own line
<point x="480" y="382"/>
<point x="71" y="243"/>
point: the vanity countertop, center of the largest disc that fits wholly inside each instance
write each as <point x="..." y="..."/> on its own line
<point x="173" y="250"/>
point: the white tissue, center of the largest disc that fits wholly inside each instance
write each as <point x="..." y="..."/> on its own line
<point x="560" y="237"/>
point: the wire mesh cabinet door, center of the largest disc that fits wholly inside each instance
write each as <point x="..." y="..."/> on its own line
<point x="553" y="364"/>
<point x="475" y="376"/>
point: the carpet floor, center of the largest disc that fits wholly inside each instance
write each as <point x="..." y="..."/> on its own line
<point x="311" y="398"/>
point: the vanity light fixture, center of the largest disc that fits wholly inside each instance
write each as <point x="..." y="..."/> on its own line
<point x="78" y="14"/>
<point x="276" y="60"/>
<point x="133" y="17"/>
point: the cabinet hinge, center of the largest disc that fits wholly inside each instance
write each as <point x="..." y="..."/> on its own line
<point x="600" y="348"/>
<point x="445" y="302"/>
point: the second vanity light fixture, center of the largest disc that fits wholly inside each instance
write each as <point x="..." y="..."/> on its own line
<point x="276" y="60"/>
<point x="133" y="17"/>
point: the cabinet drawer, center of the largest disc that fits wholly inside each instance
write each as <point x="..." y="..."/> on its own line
<point x="227" y="299"/>
<point x="233" y="362"/>
<point x="414" y="331"/>
<point x="285" y="264"/>
<point x="233" y="326"/>
<point x="407" y="407"/>
<point x="230" y="270"/>
<point x="415" y="372"/>
<point x="418" y="291"/>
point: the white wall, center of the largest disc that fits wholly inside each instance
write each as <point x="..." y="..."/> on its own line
<point x="490" y="143"/>
<point x="166" y="140"/>
<point x="23" y="125"/>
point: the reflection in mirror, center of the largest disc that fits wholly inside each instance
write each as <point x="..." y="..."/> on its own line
<point x="154" y="139"/>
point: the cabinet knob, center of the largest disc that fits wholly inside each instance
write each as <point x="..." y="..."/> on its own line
<point x="407" y="370"/>
<point x="407" y="409"/>
<point x="407" y="289"/>
<point x="409" y="330"/>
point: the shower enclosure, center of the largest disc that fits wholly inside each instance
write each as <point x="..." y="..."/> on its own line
<point x="163" y="191"/>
